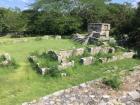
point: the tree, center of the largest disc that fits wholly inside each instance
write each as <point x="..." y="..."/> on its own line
<point x="11" y="20"/>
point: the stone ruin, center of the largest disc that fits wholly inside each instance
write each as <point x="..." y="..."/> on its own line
<point x="63" y="57"/>
<point x="51" y="36"/>
<point x="125" y="55"/>
<point x="96" y="31"/>
<point x="5" y="59"/>
<point x="99" y="49"/>
<point x="100" y="29"/>
<point x="57" y="37"/>
<point x="65" y="65"/>
<point x="87" y="60"/>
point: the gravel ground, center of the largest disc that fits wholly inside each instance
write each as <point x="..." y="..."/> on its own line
<point x="96" y="93"/>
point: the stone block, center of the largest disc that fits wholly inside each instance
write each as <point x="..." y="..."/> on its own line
<point x="111" y="50"/>
<point x="43" y="71"/>
<point x="103" y="60"/>
<point x="6" y="56"/>
<point x="46" y="37"/>
<point x="60" y="56"/>
<point x="94" y="50"/>
<point x="128" y="54"/>
<point x="87" y="60"/>
<point x="78" y="51"/>
<point x="134" y="95"/>
<point x="32" y="59"/>
<point x="5" y="59"/>
<point x="63" y="55"/>
<point x="65" y="65"/>
<point x="57" y="37"/>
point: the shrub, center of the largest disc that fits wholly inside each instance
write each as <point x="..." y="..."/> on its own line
<point x="54" y="72"/>
<point x="105" y="55"/>
<point x="112" y="42"/>
<point x="86" y="53"/>
<point x="2" y="58"/>
<point x="114" y="82"/>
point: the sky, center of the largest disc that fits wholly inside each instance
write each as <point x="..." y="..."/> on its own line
<point x="23" y="4"/>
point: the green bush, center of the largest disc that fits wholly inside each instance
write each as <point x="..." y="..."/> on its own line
<point x="114" y="82"/>
<point x="54" y="72"/>
<point x="86" y="53"/>
<point x="2" y="58"/>
<point x="101" y="54"/>
<point x="112" y="42"/>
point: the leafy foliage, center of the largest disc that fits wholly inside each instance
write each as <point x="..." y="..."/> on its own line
<point x="114" y="82"/>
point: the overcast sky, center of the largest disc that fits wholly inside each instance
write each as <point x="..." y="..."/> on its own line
<point x="23" y="4"/>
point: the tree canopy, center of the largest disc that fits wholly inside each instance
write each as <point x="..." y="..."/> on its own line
<point x="66" y="17"/>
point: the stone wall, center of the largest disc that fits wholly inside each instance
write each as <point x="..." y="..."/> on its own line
<point x="63" y="57"/>
<point x="87" y="60"/>
<point x="125" y="55"/>
<point x="78" y="51"/>
<point x="96" y="50"/>
<point x="65" y="65"/>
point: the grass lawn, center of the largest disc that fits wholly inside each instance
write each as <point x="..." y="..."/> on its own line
<point x="24" y="84"/>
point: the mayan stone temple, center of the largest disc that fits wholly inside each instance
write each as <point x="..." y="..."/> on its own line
<point x="101" y="29"/>
<point x="96" y="31"/>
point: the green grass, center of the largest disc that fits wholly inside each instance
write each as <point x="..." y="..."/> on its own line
<point x="24" y="84"/>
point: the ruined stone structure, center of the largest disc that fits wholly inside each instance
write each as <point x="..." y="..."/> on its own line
<point x="96" y="31"/>
<point x="87" y="60"/>
<point x="99" y="29"/>
<point x="5" y="59"/>
<point x="87" y="56"/>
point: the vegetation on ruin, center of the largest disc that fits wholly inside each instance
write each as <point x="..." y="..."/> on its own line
<point x="24" y="81"/>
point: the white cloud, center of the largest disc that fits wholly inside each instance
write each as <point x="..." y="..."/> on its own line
<point x="26" y="1"/>
<point x="134" y="2"/>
